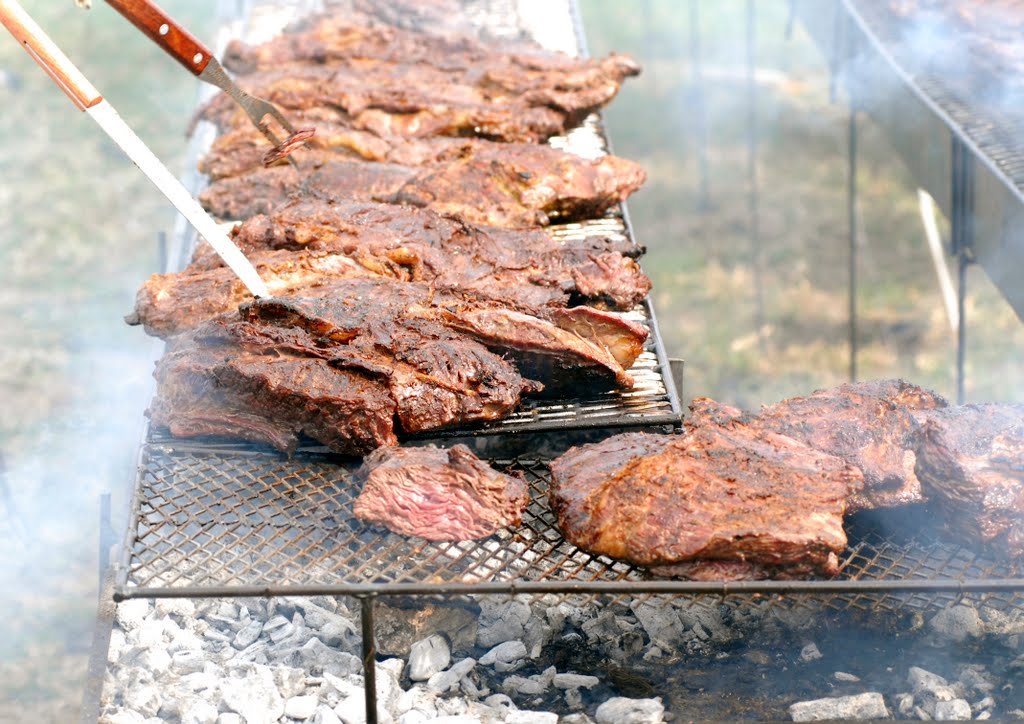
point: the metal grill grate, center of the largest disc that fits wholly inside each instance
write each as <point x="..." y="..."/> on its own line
<point x="207" y="519"/>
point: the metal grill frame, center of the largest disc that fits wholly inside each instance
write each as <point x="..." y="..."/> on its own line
<point x="888" y="579"/>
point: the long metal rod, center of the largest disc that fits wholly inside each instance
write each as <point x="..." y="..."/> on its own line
<point x="961" y="242"/>
<point x="961" y="330"/>
<point x="699" y="108"/>
<point x="851" y="211"/>
<point x="369" y="657"/>
<point x="720" y="588"/>
<point x="753" y="200"/>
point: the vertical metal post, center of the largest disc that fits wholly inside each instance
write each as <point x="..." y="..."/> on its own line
<point x="962" y="247"/>
<point x="699" y="109"/>
<point x="106" y="537"/>
<point x="851" y="210"/>
<point x="369" y="657"/>
<point x="753" y="198"/>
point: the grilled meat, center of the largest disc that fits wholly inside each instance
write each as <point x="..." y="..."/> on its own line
<point x="306" y="244"/>
<point x="540" y="348"/>
<point x="869" y="424"/>
<point x="492" y="185"/>
<point x="210" y="384"/>
<point x="723" y="494"/>
<point x="970" y="460"/>
<point x="306" y="366"/>
<point x="415" y="84"/>
<point x="438" y="494"/>
<point x="263" y="190"/>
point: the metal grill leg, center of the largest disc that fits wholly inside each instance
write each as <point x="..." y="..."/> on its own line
<point x="699" y="109"/>
<point x="851" y="210"/>
<point x="962" y="242"/>
<point x="369" y="657"/>
<point x="754" y="200"/>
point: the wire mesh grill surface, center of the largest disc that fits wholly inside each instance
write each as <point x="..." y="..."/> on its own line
<point x="208" y="519"/>
<point x="964" y="91"/>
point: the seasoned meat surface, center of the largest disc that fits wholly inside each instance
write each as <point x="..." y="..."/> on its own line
<point x="970" y="460"/>
<point x="723" y="494"/>
<point x="340" y="372"/>
<point x="209" y="384"/>
<point x="869" y="424"/>
<point x="490" y="185"/>
<point x="438" y="494"/>
<point x="400" y="83"/>
<point x="307" y="243"/>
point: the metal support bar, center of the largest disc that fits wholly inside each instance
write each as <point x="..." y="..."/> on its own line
<point x="962" y="245"/>
<point x="851" y="210"/>
<point x="107" y="537"/>
<point x="369" y="657"/>
<point x="753" y="200"/>
<point x="512" y="588"/>
<point x="699" y="107"/>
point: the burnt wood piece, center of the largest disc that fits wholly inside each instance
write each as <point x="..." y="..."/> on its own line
<point x="723" y="496"/>
<point x="438" y="494"/>
<point x="870" y="424"/>
<point x="970" y="459"/>
<point x="489" y="184"/>
<point x="445" y="86"/>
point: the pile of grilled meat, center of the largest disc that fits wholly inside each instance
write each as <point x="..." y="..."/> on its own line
<point x="744" y="495"/>
<point x="415" y="286"/>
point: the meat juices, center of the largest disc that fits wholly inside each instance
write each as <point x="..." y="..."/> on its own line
<point x="723" y="496"/>
<point x="438" y="494"/>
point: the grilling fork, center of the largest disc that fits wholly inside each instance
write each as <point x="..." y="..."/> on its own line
<point x="198" y="60"/>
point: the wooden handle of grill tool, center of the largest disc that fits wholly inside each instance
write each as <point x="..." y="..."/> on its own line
<point x="46" y="53"/>
<point x="165" y="32"/>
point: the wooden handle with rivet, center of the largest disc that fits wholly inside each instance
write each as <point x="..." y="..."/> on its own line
<point x="48" y="55"/>
<point x="165" y="32"/>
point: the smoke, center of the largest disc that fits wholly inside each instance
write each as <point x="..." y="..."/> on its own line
<point x="80" y="234"/>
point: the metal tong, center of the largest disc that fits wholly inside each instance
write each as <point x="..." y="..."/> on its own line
<point x="200" y="61"/>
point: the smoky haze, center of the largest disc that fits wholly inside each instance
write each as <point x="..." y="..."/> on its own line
<point x="80" y="226"/>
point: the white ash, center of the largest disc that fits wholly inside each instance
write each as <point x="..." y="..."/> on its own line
<point x="870" y="705"/>
<point x="295" y="659"/>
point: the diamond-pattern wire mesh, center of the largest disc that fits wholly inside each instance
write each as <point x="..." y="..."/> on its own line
<point x="997" y="131"/>
<point x="214" y="519"/>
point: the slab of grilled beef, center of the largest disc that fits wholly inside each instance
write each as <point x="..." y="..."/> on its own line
<point x="449" y="87"/>
<point x="438" y="494"/>
<point x="306" y="244"/>
<point x="560" y="352"/>
<point x="274" y="370"/>
<point x="870" y="424"/>
<point x="723" y="500"/>
<point x="209" y="383"/>
<point x="970" y="460"/>
<point x="519" y="186"/>
<point x="244" y="149"/>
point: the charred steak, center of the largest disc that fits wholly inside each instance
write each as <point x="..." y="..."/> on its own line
<point x="210" y="384"/>
<point x="869" y="424"/>
<point x="416" y="84"/>
<point x="306" y="244"/>
<point x="277" y="372"/>
<point x="438" y="494"/>
<point x="970" y="460"/>
<point x="490" y="185"/>
<point x="724" y="494"/>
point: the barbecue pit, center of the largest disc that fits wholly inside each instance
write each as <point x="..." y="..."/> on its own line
<point x="226" y="520"/>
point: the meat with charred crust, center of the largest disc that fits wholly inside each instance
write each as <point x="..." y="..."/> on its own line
<point x="870" y="424"/>
<point x="970" y="460"/>
<point x="438" y="494"/>
<point x="723" y="496"/>
<point x="487" y="184"/>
